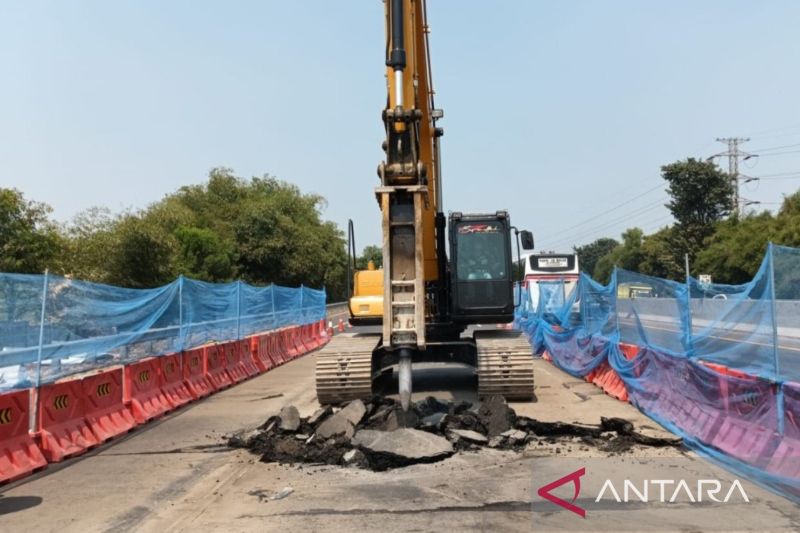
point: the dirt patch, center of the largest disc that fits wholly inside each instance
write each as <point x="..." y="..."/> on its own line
<point x="331" y="436"/>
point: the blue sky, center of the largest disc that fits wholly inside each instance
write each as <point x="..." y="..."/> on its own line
<point x="561" y="112"/>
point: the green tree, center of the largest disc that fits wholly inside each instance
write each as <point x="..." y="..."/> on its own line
<point x="627" y="255"/>
<point x="90" y="241"/>
<point x="661" y="256"/>
<point x="735" y="251"/>
<point x="589" y="254"/>
<point x="143" y="254"/>
<point x="261" y="230"/>
<point x="29" y="241"/>
<point x="701" y="196"/>
<point x="370" y="253"/>
<point x="204" y="254"/>
<point x="787" y="222"/>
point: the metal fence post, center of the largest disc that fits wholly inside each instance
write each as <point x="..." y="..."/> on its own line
<point x="776" y="362"/>
<point x="238" y="309"/>
<point x="302" y="313"/>
<point x="272" y="295"/>
<point x="181" y="339"/>
<point x="614" y="288"/>
<point x="35" y="410"/>
<point x="690" y="323"/>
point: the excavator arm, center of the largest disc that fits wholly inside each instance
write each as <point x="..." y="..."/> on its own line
<point x="410" y="191"/>
<point x="428" y="300"/>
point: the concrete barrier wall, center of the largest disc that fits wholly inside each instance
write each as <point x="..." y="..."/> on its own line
<point x="746" y="315"/>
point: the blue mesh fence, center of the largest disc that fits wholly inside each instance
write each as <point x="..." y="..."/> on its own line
<point x="52" y="327"/>
<point x="717" y="364"/>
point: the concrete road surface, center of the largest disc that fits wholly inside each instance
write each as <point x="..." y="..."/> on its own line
<point x="175" y="474"/>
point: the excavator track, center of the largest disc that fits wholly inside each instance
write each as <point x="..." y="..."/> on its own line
<point x="344" y="368"/>
<point x="505" y="365"/>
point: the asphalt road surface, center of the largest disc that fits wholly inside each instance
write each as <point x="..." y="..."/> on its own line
<point x="176" y="475"/>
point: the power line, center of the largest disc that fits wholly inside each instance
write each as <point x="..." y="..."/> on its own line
<point x="776" y="147"/>
<point x="781" y="153"/>
<point x="628" y="216"/>
<point x="774" y="132"/>
<point x="653" y="224"/>
<point x="609" y="224"/>
<point x="605" y="212"/>
<point x="792" y="177"/>
<point x="646" y="227"/>
<point x="778" y="174"/>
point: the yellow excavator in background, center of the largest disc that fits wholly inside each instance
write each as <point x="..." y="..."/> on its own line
<point x="429" y="300"/>
<point x="366" y="297"/>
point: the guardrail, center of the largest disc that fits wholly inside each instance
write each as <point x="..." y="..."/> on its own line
<point x="335" y="311"/>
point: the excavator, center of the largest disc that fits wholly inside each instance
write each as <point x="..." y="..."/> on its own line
<point x="433" y="304"/>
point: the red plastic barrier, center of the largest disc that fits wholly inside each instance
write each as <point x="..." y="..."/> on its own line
<point x="194" y="373"/>
<point x="607" y="379"/>
<point x="791" y="410"/>
<point x="173" y="386"/>
<point x="63" y="428"/>
<point x="249" y="358"/>
<point x="311" y="336"/>
<point x="303" y="343"/>
<point x="302" y="349"/>
<point x="215" y="367"/>
<point x="290" y="342"/>
<point x="19" y="454"/>
<point x="279" y="351"/>
<point x="258" y="346"/>
<point x="305" y="339"/>
<point x="270" y="346"/>
<point x="749" y="442"/>
<point x="324" y="332"/>
<point x="143" y="380"/>
<point x="630" y="351"/>
<point x="233" y="361"/>
<point x="105" y="411"/>
<point x="703" y="424"/>
<point x="722" y="369"/>
<point x="786" y="459"/>
<point x="320" y="333"/>
<point x="299" y="341"/>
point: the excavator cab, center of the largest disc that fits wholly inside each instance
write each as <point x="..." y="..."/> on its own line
<point x="482" y="278"/>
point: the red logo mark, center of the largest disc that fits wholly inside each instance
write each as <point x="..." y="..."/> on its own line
<point x="477" y="228"/>
<point x="575" y="478"/>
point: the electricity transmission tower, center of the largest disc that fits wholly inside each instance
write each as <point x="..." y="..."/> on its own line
<point x="734" y="154"/>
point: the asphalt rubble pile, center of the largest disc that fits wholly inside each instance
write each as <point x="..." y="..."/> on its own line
<point x="379" y="435"/>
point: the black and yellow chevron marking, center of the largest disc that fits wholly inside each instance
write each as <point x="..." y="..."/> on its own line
<point x="144" y="376"/>
<point x="61" y="401"/>
<point x="104" y="389"/>
<point x="5" y="416"/>
<point x="195" y="361"/>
